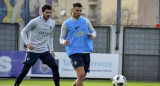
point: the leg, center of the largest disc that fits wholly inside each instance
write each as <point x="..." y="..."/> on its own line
<point x="49" y="60"/>
<point x="23" y="73"/>
<point x="52" y="64"/>
<point x="86" y="60"/>
<point x="74" y="84"/>
<point x="31" y="58"/>
<point x="80" y="76"/>
<point x="78" y="65"/>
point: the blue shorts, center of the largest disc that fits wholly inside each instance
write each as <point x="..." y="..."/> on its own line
<point x="31" y="57"/>
<point x="81" y="60"/>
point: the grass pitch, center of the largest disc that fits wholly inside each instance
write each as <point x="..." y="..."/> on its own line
<point x="65" y="82"/>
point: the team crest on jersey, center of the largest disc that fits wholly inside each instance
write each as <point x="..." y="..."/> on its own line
<point x="75" y="62"/>
<point x="50" y="27"/>
<point x="27" y="58"/>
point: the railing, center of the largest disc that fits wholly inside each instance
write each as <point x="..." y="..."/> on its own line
<point x="92" y="0"/>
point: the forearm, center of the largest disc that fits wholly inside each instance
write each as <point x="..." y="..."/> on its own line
<point x="51" y="43"/>
<point x="25" y="31"/>
<point x="90" y="28"/>
<point x="24" y="35"/>
<point x="63" y="34"/>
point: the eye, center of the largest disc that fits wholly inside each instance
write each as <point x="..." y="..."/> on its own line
<point x="79" y="10"/>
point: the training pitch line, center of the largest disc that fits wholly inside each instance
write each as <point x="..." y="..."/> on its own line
<point x="21" y="85"/>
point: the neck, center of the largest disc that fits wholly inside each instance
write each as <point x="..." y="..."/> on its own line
<point x="75" y="17"/>
<point x="44" y="18"/>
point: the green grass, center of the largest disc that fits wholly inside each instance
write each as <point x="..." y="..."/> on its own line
<point x="65" y="82"/>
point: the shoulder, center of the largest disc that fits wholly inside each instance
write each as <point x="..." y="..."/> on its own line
<point x="34" y="20"/>
<point x="51" y="21"/>
<point x="86" y="19"/>
<point x="83" y="18"/>
<point x="67" y="21"/>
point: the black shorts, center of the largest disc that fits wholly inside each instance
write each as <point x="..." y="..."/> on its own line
<point x="81" y="60"/>
<point x="31" y="57"/>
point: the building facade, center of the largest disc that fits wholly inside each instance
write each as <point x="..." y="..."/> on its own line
<point x="62" y="10"/>
<point x="104" y="12"/>
<point x="129" y="12"/>
<point x="148" y="12"/>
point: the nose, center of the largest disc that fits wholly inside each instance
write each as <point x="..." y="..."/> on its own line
<point x="79" y="12"/>
<point x="48" y="14"/>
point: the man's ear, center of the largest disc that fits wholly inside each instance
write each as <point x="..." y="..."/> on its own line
<point x="71" y="9"/>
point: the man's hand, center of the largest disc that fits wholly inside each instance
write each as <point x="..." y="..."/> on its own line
<point x="91" y="36"/>
<point x="66" y="42"/>
<point x="53" y="54"/>
<point x="30" y="46"/>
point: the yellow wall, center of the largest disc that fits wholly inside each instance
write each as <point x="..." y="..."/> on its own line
<point x="110" y="6"/>
<point x="107" y="9"/>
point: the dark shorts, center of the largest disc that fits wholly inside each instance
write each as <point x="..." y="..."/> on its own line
<point x="81" y="60"/>
<point x="31" y="57"/>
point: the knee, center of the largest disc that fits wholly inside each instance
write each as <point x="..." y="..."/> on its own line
<point x="25" y="68"/>
<point x="54" y="67"/>
<point x="81" y="75"/>
<point x="52" y="64"/>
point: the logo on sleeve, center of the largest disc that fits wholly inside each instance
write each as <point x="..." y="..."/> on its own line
<point x="50" y="27"/>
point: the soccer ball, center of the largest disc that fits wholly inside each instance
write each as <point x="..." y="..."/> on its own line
<point x="119" y="80"/>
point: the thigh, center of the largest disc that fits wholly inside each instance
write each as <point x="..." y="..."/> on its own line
<point x="51" y="63"/>
<point x="46" y="56"/>
<point x="86" y="59"/>
<point x="77" y="60"/>
<point x="31" y="58"/>
<point x="80" y="71"/>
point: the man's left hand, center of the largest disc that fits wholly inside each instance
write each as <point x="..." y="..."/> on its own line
<point x="91" y="36"/>
<point x="53" y="54"/>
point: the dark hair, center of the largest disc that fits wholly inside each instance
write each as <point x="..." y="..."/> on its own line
<point x="77" y="4"/>
<point x="46" y="6"/>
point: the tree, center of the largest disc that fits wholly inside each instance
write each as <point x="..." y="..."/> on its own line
<point x="128" y="17"/>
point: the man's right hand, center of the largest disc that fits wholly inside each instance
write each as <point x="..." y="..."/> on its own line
<point x="66" y="42"/>
<point x="30" y="46"/>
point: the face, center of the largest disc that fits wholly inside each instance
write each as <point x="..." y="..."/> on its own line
<point x="46" y="14"/>
<point x="76" y="12"/>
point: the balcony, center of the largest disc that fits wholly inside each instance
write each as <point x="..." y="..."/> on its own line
<point x="92" y="2"/>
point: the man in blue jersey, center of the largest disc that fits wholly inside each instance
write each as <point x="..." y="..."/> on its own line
<point x="77" y="34"/>
<point x="39" y="44"/>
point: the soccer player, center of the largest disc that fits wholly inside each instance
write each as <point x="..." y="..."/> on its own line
<point x="39" y="44"/>
<point x="77" y="34"/>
